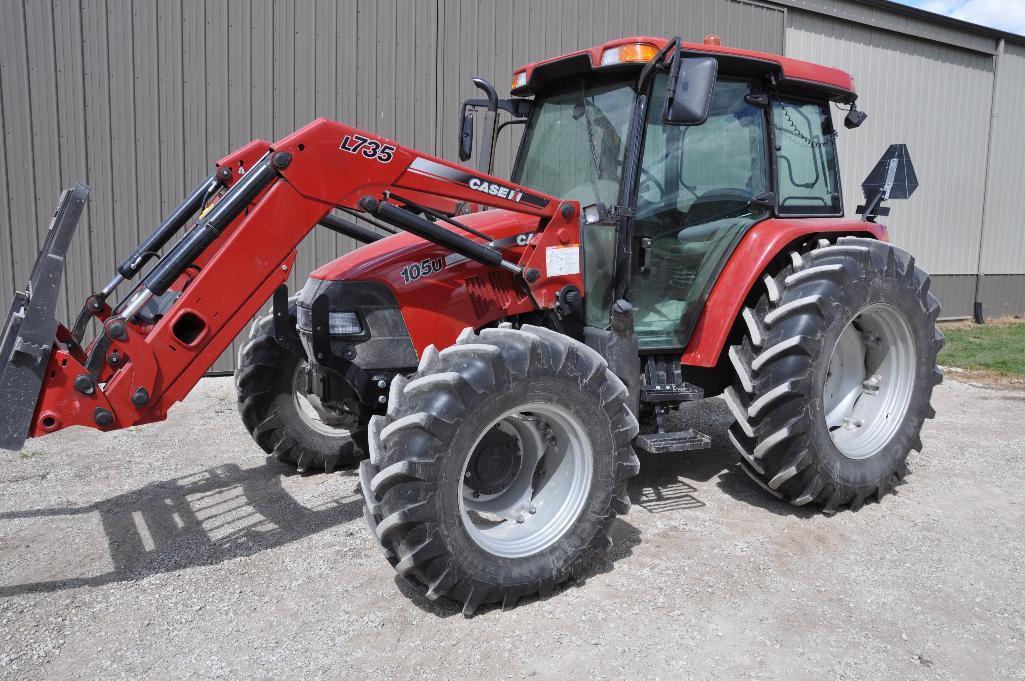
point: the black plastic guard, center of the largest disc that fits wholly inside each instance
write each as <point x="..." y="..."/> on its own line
<point x="28" y="332"/>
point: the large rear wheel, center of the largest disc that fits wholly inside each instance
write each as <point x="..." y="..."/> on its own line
<point x="499" y="466"/>
<point x="835" y="374"/>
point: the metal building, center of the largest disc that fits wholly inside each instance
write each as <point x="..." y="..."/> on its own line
<point x="139" y="97"/>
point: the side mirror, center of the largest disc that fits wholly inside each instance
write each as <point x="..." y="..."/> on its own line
<point x="466" y="136"/>
<point x="854" y="118"/>
<point x="691" y="83"/>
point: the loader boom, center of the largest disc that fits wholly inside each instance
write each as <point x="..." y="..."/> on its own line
<point x="242" y="247"/>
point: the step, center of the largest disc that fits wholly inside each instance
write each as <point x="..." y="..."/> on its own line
<point x="667" y="443"/>
<point x="671" y="392"/>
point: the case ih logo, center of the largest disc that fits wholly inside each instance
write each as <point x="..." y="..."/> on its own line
<point x="426" y="167"/>
<point x="494" y="189"/>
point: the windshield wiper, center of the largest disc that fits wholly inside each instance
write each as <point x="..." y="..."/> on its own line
<point x="590" y="142"/>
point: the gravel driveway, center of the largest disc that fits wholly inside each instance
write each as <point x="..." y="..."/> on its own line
<point x="178" y="550"/>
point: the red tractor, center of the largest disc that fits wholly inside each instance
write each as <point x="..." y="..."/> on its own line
<point x="673" y="228"/>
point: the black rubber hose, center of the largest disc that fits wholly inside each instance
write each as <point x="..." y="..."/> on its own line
<point x="349" y="229"/>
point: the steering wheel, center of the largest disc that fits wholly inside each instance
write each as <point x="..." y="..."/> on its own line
<point x="701" y="210"/>
<point x="648" y="176"/>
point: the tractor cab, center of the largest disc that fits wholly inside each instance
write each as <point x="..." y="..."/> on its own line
<point x="674" y="152"/>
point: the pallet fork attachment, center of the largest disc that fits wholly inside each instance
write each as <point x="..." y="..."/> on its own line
<point x="29" y="329"/>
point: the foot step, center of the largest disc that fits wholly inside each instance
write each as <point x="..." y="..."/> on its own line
<point x="662" y="381"/>
<point x="672" y="392"/>
<point x="666" y="443"/>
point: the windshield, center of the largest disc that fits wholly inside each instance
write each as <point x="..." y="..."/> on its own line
<point x="573" y="146"/>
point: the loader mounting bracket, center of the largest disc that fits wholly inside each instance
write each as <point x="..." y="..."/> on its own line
<point x="285" y="333"/>
<point x="370" y="389"/>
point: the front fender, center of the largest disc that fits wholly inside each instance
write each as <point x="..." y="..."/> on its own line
<point x="747" y="263"/>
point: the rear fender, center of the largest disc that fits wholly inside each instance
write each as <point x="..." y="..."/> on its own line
<point x="752" y="256"/>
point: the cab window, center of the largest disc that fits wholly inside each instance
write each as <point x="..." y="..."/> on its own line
<point x="805" y="158"/>
<point x="694" y="200"/>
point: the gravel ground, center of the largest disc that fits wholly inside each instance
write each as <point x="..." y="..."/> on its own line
<point x="177" y="550"/>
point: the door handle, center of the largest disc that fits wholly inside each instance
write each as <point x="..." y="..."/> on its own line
<point x="646" y="254"/>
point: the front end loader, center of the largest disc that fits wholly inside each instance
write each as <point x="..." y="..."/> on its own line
<point x="499" y="350"/>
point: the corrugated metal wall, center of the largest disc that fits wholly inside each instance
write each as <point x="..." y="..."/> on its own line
<point x="934" y="98"/>
<point x="1003" y="241"/>
<point x="493" y="37"/>
<point x="139" y="97"/>
<point x="938" y="93"/>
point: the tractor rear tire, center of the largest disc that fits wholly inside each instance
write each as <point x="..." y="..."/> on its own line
<point x="499" y="466"/>
<point x="835" y="374"/>
<point x="275" y="415"/>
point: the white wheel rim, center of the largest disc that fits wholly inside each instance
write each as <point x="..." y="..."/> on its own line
<point x="542" y="500"/>
<point x="869" y="381"/>
<point x="334" y="426"/>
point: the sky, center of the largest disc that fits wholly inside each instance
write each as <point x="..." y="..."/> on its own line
<point x="1006" y="15"/>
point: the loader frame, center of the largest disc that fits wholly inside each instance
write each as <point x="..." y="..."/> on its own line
<point x="257" y="207"/>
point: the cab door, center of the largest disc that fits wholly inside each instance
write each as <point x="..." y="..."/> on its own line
<point x="694" y="201"/>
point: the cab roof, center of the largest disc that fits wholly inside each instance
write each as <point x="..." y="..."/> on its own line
<point x="831" y="83"/>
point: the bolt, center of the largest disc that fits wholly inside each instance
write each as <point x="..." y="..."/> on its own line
<point x="382" y="384"/>
<point x="852" y="424"/>
<point x="281" y="160"/>
<point x="103" y="417"/>
<point x="531" y="510"/>
<point x="382" y="399"/>
<point x="520" y="518"/>
<point x="84" y="384"/>
<point x="116" y="329"/>
<point x="467" y="475"/>
<point x="284" y="268"/>
<point x="140" y="397"/>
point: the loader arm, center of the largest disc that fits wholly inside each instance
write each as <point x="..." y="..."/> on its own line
<point x="256" y="208"/>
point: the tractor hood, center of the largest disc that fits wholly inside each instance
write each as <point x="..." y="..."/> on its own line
<point x="438" y="292"/>
<point x="384" y="260"/>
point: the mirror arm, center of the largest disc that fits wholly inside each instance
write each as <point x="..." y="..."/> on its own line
<point x="656" y="61"/>
<point x="486" y="160"/>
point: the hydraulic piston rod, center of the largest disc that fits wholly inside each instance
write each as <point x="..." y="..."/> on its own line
<point x="191" y="246"/>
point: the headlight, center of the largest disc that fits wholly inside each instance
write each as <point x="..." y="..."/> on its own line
<point x="338" y="323"/>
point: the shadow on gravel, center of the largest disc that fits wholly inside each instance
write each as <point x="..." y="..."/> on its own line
<point x="201" y="519"/>
<point x="664" y="484"/>
<point x="624" y="538"/>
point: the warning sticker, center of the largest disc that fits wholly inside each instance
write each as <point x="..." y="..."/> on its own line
<point x="560" y="260"/>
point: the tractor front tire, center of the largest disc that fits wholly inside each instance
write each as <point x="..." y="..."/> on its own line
<point x="499" y="466"/>
<point x="835" y="374"/>
<point x="273" y="411"/>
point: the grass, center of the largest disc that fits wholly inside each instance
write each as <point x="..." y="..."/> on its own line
<point x="30" y="454"/>
<point x="998" y="347"/>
